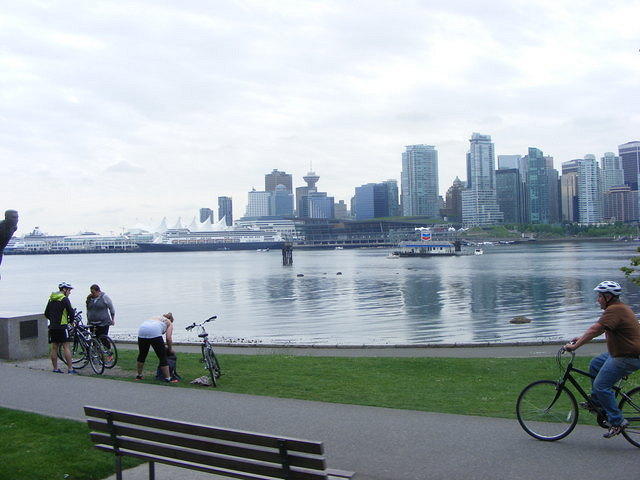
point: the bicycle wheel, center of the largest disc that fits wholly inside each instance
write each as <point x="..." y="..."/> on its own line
<point x="109" y="351"/>
<point x="95" y="357"/>
<point x="631" y="412"/>
<point x="79" y="355"/>
<point x="546" y="412"/>
<point x="211" y="362"/>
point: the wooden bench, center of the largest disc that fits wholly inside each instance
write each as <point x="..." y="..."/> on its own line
<point x="221" y="451"/>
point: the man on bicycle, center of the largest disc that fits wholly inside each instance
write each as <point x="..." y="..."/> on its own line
<point x="622" y="332"/>
<point x="60" y="314"/>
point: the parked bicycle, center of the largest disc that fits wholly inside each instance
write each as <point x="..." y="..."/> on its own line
<point x="85" y="347"/>
<point x="547" y="409"/>
<point x="208" y="356"/>
<point x="109" y="349"/>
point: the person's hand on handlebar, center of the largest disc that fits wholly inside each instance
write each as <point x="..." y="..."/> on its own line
<point x="571" y="346"/>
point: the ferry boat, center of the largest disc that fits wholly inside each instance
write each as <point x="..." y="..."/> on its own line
<point x="427" y="248"/>
<point x="36" y="242"/>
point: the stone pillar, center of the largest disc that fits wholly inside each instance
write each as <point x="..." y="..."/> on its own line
<point x="23" y="336"/>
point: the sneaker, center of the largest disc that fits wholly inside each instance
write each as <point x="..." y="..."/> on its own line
<point x="169" y="380"/>
<point x="139" y="377"/>
<point x="616" y="429"/>
<point x="73" y="372"/>
<point x="589" y="407"/>
<point x="57" y="370"/>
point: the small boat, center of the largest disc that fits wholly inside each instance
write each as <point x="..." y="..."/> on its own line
<point x="339" y="248"/>
<point x="478" y="251"/>
<point x="262" y="250"/>
<point x="393" y="255"/>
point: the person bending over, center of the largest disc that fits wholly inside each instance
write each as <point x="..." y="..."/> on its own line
<point x="622" y="331"/>
<point x="150" y="335"/>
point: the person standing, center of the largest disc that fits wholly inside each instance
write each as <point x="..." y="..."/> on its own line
<point x="8" y="227"/>
<point x="150" y="335"/>
<point x="60" y="314"/>
<point x="100" y="312"/>
<point x="622" y="331"/>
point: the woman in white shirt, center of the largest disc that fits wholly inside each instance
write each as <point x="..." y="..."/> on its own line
<point x="150" y="335"/>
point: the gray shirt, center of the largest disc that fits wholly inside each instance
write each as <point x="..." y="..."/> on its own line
<point x="100" y="310"/>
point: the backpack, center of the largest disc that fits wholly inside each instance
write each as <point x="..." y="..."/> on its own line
<point x="172" y="360"/>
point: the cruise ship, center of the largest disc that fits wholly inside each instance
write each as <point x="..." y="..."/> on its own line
<point x="37" y="242"/>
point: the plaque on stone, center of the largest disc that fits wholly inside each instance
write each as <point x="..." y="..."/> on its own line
<point x="28" y="329"/>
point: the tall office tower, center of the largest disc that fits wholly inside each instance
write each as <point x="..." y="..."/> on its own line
<point x="569" y="191"/>
<point x="319" y="205"/>
<point x="301" y="192"/>
<point x="393" y="199"/>
<point x="453" y="201"/>
<point x="206" y="215"/>
<point x="621" y="204"/>
<point x="225" y="210"/>
<point x="374" y="200"/>
<point x="258" y="204"/>
<point x="508" y="161"/>
<point x="538" y="182"/>
<point x="589" y="192"/>
<point x="275" y="178"/>
<point x="612" y="172"/>
<point x="509" y="189"/>
<point x="419" y="181"/>
<point x="479" y="201"/>
<point x="630" y="158"/>
<point x="555" y="205"/>
<point x="341" y="210"/>
<point x="281" y="201"/>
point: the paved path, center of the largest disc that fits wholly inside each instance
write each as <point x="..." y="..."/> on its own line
<point x="378" y="443"/>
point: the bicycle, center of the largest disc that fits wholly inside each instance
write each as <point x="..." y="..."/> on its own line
<point x="109" y="349"/>
<point x="85" y="348"/>
<point x="208" y="356"/>
<point x="547" y="410"/>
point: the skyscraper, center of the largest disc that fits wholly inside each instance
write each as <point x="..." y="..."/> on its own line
<point x="569" y="191"/>
<point x="375" y="200"/>
<point x="589" y="192"/>
<point x="301" y="192"/>
<point x="275" y="178"/>
<point x="621" y="204"/>
<point x="225" y="210"/>
<point x="206" y="214"/>
<point x="281" y="201"/>
<point x="479" y="202"/>
<point x="630" y="158"/>
<point x="508" y="161"/>
<point x="509" y="190"/>
<point x="537" y="187"/>
<point x="258" y="204"/>
<point x="419" y="182"/>
<point x="453" y="201"/>
<point x="612" y="172"/>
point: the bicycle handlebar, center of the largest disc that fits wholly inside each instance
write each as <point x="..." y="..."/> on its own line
<point x="194" y="324"/>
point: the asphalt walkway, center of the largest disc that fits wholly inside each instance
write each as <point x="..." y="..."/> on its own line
<point x="377" y="443"/>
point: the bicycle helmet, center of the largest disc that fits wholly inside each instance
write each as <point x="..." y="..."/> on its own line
<point x="609" y="287"/>
<point x="65" y="285"/>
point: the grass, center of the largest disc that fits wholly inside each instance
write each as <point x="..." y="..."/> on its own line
<point x="473" y="386"/>
<point x="35" y="447"/>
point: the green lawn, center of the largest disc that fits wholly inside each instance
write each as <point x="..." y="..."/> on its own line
<point x="478" y="386"/>
<point x="35" y="447"/>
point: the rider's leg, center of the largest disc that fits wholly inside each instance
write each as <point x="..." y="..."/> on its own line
<point x="613" y="369"/>
<point x="67" y="355"/>
<point x="594" y="368"/>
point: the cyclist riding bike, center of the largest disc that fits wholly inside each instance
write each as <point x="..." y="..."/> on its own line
<point x="622" y="332"/>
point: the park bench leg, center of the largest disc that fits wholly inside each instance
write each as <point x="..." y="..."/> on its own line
<point x="152" y="471"/>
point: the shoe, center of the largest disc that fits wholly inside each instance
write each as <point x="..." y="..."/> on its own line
<point x="73" y="372"/>
<point x="616" y="429"/>
<point x="139" y="377"/>
<point x="169" y="380"/>
<point x="57" y="370"/>
<point x="589" y="407"/>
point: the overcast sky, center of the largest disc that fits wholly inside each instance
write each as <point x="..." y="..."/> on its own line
<point x="114" y="114"/>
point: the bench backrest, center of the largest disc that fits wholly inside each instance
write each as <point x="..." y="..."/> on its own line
<point x="234" y="453"/>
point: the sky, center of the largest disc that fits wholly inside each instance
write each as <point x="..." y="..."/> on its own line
<point x="115" y="114"/>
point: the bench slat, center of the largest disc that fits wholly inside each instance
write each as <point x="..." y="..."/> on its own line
<point x="273" y="456"/>
<point x="191" y="466"/>
<point x="240" y="436"/>
<point x="214" y="460"/>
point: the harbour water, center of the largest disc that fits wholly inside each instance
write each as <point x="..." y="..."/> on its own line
<point x="375" y="300"/>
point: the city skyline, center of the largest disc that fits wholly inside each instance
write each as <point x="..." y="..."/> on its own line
<point x="113" y="116"/>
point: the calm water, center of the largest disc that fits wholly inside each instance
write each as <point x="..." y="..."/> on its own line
<point x="376" y="300"/>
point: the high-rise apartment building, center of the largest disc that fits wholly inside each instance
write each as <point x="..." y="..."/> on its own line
<point x="611" y="170"/>
<point x="569" y="191"/>
<point x="393" y="198"/>
<point x="589" y="192"/>
<point x="538" y="182"/>
<point x="419" y="181"/>
<point x="225" y="210"/>
<point x="621" y="204"/>
<point x="630" y="159"/>
<point x="508" y="161"/>
<point x="275" y="178"/>
<point x="509" y="191"/>
<point x="479" y="199"/>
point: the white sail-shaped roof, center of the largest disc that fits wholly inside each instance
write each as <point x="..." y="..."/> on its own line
<point x="178" y="225"/>
<point x="193" y="226"/>
<point x="163" y="226"/>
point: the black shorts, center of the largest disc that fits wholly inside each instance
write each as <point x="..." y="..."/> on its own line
<point x="58" y="335"/>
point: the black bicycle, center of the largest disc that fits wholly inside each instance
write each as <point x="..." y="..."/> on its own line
<point x="208" y="356"/>
<point x="109" y="349"/>
<point x="85" y="347"/>
<point x="548" y="411"/>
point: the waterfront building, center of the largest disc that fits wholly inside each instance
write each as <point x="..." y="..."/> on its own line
<point x="538" y="183"/>
<point x="206" y="215"/>
<point x="258" y="204"/>
<point x="630" y="159"/>
<point x="509" y="191"/>
<point x="281" y="201"/>
<point x="419" y="181"/>
<point x="569" y="191"/>
<point x="341" y="211"/>
<point x="479" y="199"/>
<point x="621" y="204"/>
<point x="453" y="201"/>
<point x="612" y="172"/>
<point x="275" y="178"/>
<point x="319" y="205"/>
<point x="225" y="210"/>
<point x="555" y="209"/>
<point x="506" y="162"/>
<point x="376" y="200"/>
<point x="589" y="192"/>
<point x="393" y="198"/>
<point x="301" y="192"/>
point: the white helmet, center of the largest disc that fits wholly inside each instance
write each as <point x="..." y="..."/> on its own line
<point x="65" y="285"/>
<point x="609" y="287"/>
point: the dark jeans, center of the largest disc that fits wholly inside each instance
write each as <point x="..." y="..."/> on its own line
<point x="158" y="346"/>
<point x="608" y="370"/>
<point x="99" y="330"/>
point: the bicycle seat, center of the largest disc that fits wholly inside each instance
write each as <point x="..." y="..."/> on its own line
<point x="203" y="335"/>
